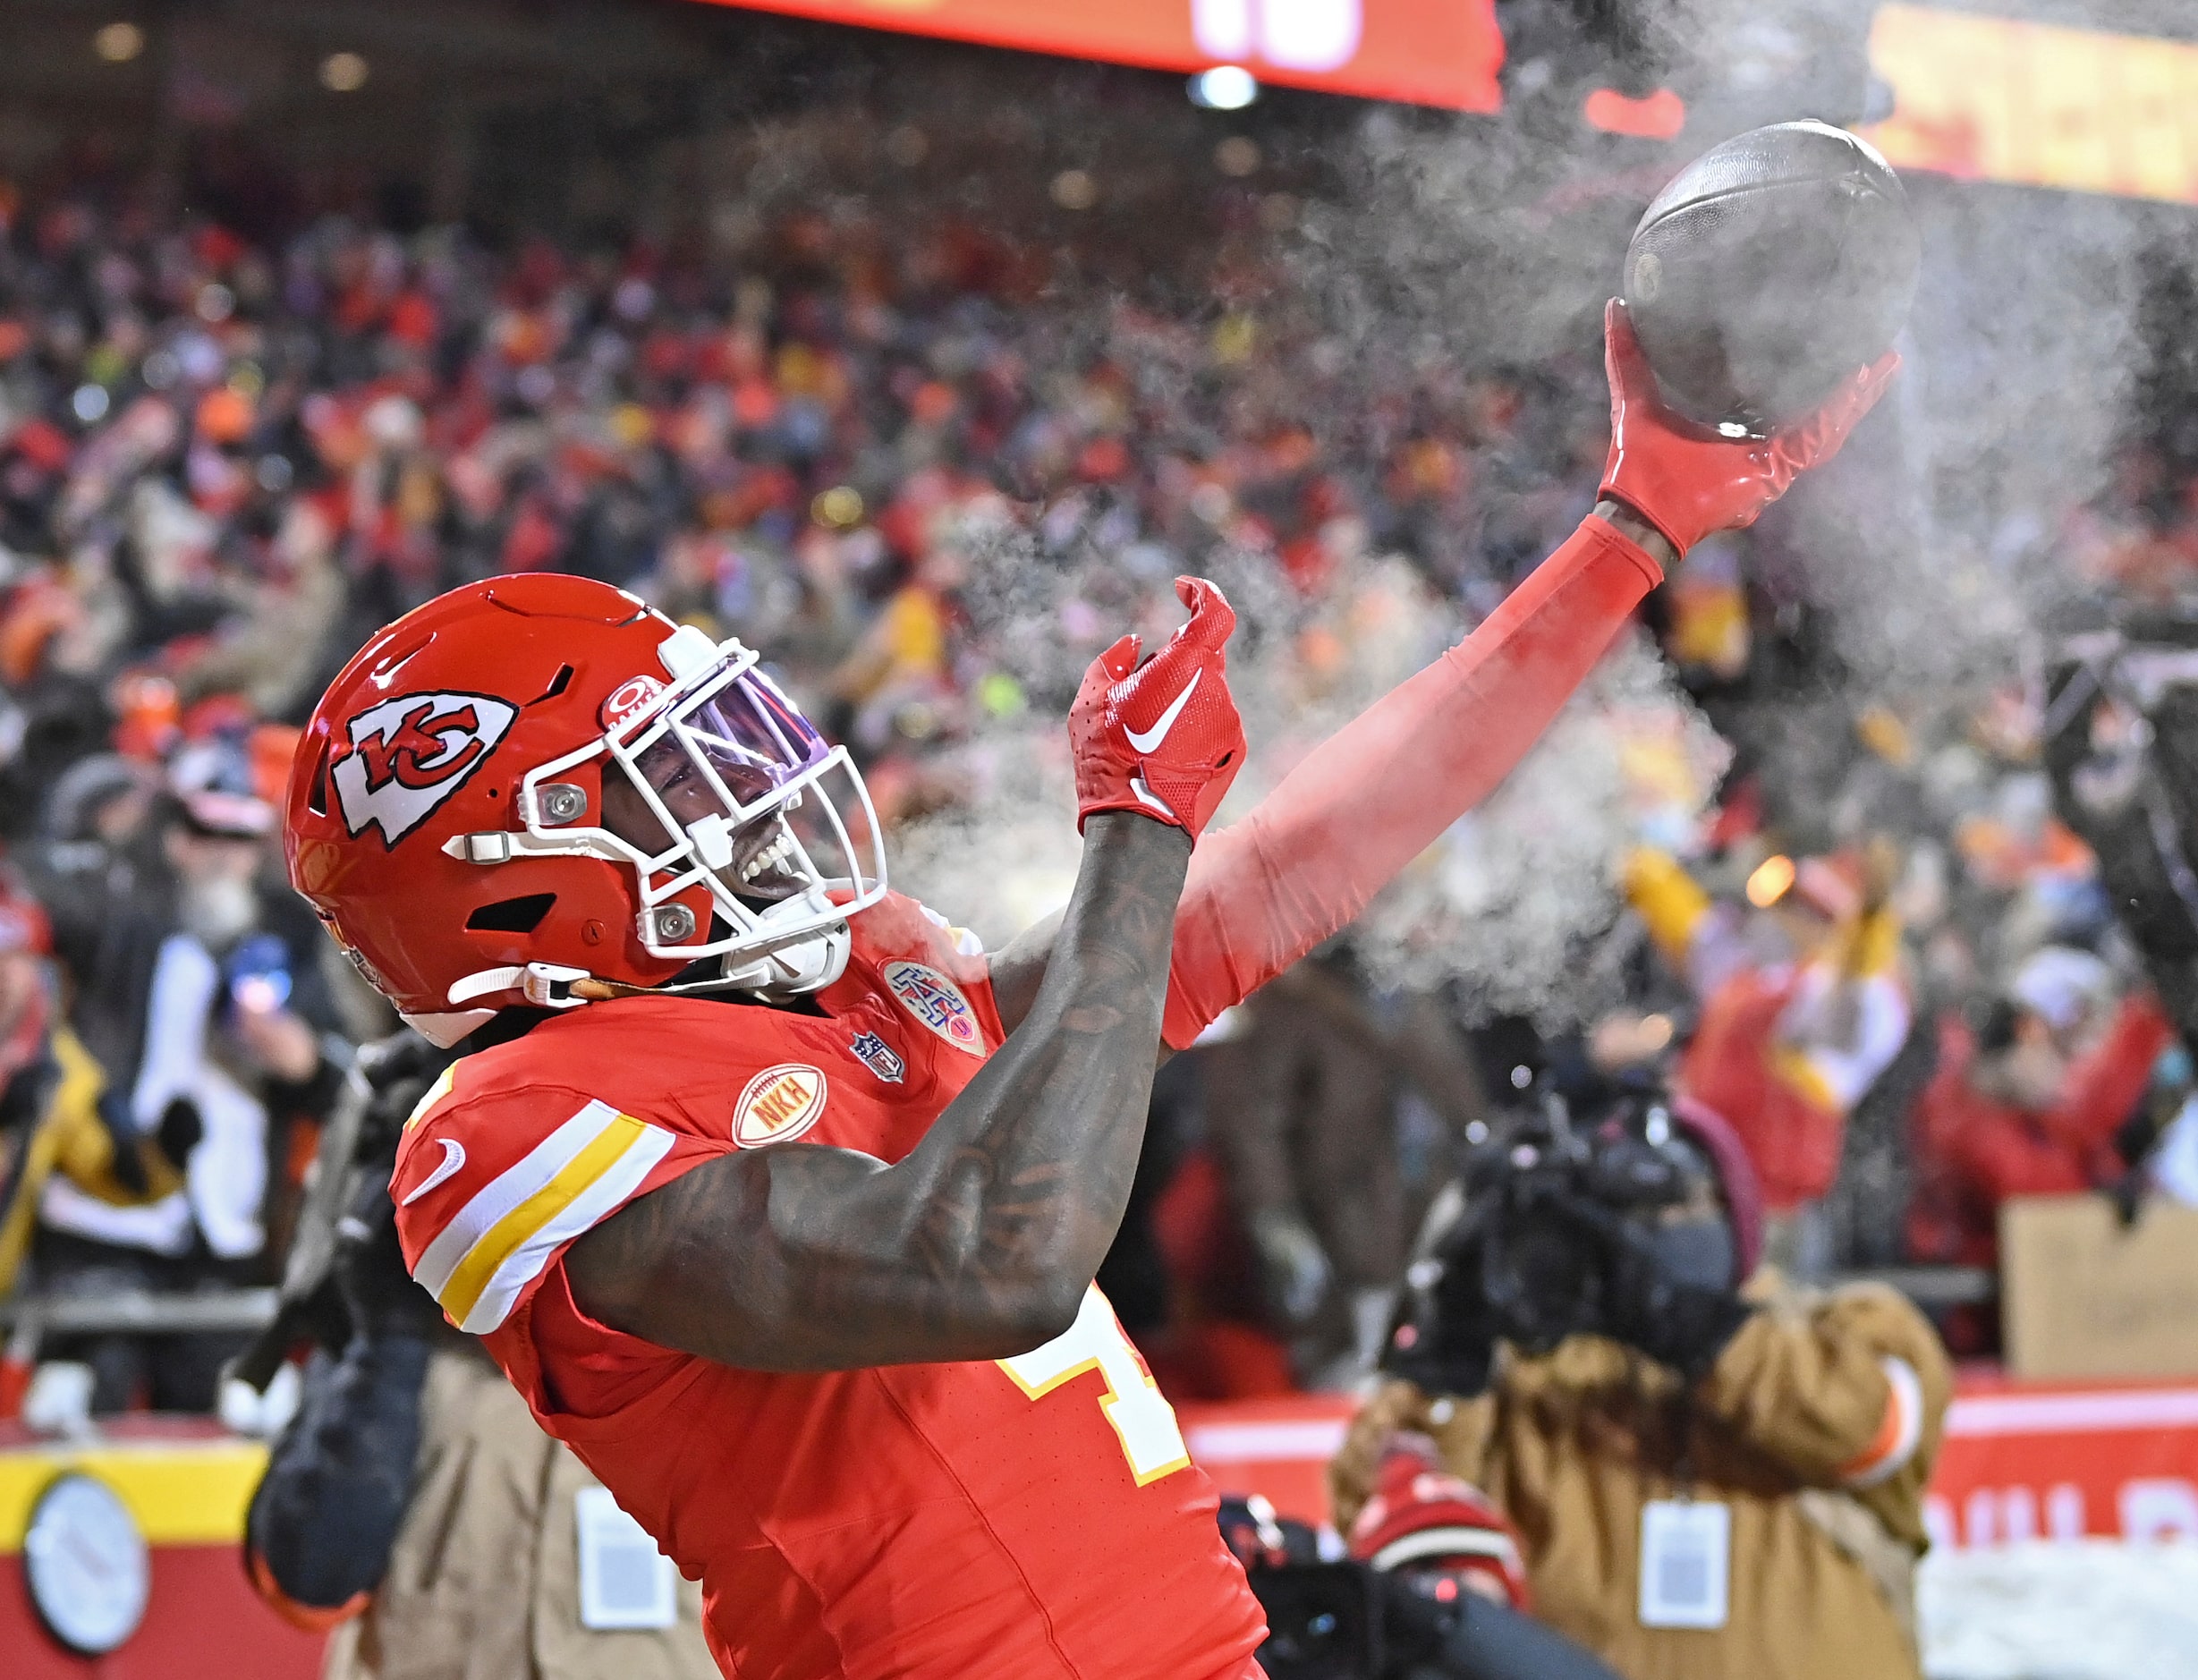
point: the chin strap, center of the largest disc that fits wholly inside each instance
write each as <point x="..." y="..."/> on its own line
<point x="792" y="971"/>
<point x="805" y="964"/>
<point x="1263" y="892"/>
<point x="796" y="969"/>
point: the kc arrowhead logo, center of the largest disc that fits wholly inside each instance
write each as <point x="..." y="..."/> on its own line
<point x="410" y="754"/>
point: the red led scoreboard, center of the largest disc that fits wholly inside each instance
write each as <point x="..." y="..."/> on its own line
<point x="1424" y="52"/>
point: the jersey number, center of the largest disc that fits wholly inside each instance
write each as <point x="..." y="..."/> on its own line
<point x="1141" y="1417"/>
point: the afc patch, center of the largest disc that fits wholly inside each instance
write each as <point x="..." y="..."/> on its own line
<point x="937" y="1002"/>
<point x="777" y="1105"/>
<point x="879" y="1057"/>
<point x="410" y="754"/>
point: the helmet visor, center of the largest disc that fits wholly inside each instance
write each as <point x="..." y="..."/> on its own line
<point x="733" y="772"/>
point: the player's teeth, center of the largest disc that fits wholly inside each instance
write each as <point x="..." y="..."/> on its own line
<point x="775" y="853"/>
<point x="772" y="855"/>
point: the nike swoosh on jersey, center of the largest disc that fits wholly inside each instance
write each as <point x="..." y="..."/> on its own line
<point x="1150" y="740"/>
<point x="454" y="1157"/>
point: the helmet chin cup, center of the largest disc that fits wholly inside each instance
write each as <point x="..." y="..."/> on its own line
<point x="806" y="963"/>
<point x="444" y="1030"/>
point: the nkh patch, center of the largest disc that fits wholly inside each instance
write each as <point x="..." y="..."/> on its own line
<point x="937" y="1003"/>
<point x="879" y="1057"/>
<point x="410" y="754"/>
<point x="777" y="1105"/>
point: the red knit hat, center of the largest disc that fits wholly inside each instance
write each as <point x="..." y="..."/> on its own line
<point x="1422" y="1517"/>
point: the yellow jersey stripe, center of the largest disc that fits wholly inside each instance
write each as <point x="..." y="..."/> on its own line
<point x="501" y="1240"/>
<point x="585" y="1210"/>
<point x="449" y="1246"/>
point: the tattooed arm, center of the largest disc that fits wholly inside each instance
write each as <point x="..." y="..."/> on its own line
<point x="980" y="1243"/>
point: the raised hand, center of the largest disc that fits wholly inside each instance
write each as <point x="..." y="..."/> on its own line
<point x="1686" y="479"/>
<point x="1162" y="738"/>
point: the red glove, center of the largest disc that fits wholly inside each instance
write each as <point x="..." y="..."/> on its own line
<point x="1688" y="482"/>
<point x="1162" y="738"/>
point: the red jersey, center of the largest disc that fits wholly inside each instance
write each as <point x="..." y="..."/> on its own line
<point x="1030" y="1517"/>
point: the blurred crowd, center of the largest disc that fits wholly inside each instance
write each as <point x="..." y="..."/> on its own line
<point x="929" y="475"/>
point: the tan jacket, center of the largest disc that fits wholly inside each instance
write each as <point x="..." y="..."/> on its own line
<point x="484" y="1579"/>
<point x="1820" y="1420"/>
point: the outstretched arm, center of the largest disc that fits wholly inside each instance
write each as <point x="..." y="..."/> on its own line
<point x="1339" y="826"/>
<point x="1264" y="890"/>
<point x="982" y="1242"/>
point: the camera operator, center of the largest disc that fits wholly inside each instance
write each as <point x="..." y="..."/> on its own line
<point x="1710" y="1476"/>
<point x="414" y="1506"/>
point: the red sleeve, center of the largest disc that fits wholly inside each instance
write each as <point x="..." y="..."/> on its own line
<point x="1265" y="891"/>
<point x="575" y="1368"/>
<point x="2104" y="1086"/>
<point x="1998" y="1153"/>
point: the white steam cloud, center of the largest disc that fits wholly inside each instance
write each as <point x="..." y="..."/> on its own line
<point x="1510" y="904"/>
<point x="1933" y="554"/>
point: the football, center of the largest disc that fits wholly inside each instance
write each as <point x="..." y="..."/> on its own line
<point x="1768" y="270"/>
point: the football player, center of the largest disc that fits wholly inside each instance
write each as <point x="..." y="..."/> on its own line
<point x="777" y="1198"/>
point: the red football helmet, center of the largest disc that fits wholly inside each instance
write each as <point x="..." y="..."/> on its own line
<point x="1439" y="1533"/>
<point x="537" y="780"/>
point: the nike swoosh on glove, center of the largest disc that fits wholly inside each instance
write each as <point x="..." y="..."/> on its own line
<point x="1162" y="738"/>
<point x="1688" y="480"/>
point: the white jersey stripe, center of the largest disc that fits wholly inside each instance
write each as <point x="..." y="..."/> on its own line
<point x="505" y="1191"/>
<point x="600" y="1199"/>
<point x="965" y="942"/>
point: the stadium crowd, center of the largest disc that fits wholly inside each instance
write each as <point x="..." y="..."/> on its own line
<point x="223" y="463"/>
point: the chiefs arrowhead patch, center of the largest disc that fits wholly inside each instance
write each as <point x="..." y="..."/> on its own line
<point x="410" y="754"/>
<point x="777" y="1105"/>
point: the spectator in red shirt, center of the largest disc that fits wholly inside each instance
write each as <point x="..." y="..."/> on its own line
<point x="2031" y="1104"/>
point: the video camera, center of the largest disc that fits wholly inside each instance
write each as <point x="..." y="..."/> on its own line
<point x="1337" y="1619"/>
<point x="1523" y="1246"/>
